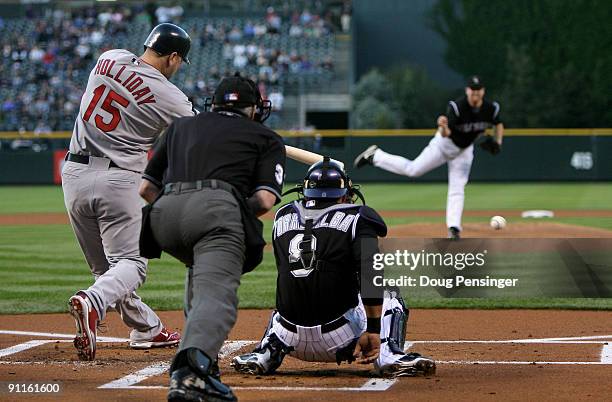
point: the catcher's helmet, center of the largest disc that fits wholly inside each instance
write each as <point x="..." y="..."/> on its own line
<point x="326" y="179"/>
<point x="167" y="38"/>
<point x="237" y="92"/>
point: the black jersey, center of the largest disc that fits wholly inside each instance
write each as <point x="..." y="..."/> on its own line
<point x="220" y="145"/>
<point x="466" y="123"/>
<point x="314" y="293"/>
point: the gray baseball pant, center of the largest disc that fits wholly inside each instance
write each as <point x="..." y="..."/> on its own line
<point x="203" y="228"/>
<point x="104" y="209"/>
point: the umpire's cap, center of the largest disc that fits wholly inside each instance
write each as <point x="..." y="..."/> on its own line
<point x="167" y="38"/>
<point x="238" y="92"/>
<point x="326" y="179"/>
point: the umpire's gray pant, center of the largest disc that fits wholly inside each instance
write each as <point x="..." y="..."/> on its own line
<point x="204" y="226"/>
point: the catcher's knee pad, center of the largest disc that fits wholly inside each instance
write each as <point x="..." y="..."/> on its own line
<point x="397" y="328"/>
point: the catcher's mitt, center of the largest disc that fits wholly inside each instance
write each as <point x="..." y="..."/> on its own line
<point x="490" y="145"/>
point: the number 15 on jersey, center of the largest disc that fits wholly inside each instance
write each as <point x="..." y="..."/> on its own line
<point x="107" y="106"/>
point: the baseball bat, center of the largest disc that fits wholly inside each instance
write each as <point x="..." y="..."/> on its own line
<point x="307" y="157"/>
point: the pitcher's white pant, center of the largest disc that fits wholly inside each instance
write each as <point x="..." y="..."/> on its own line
<point x="104" y="209"/>
<point x="439" y="151"/>
<point x="310" y="344"/>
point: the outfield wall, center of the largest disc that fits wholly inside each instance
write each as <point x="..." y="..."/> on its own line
<point x="527" y="155"/>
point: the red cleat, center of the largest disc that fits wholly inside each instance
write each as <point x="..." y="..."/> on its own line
<point x="163" y="339"/>
<point x="86" y="319"/>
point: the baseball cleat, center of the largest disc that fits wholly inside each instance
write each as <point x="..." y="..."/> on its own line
<point x="454" y="233"/>
<point x="366" y="157"/>
<point x="86" y="319"/>
<point x="408" y="365"/>
<point x="250" y="363"/>
<point x="163" y="339"/>
<point x="192" y="378"/>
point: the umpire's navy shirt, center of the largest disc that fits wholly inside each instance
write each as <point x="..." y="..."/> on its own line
<point x="220" y="145"/>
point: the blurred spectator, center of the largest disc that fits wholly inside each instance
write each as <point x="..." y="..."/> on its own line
<point x="169" y="14"/>
<point x="277" y="99"/>
<point x="249" y="30"/>
<point x="228" y="51"/>
<point x="234" y="35"/>
<point x="345" y="18"/>
<point x="305" y="17"/>
<point x="273" y="21"/>
<point x="295" y="30"/>
<point x="36" y="54"/>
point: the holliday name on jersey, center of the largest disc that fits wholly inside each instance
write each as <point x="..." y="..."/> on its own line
<point x="131" y="82"/>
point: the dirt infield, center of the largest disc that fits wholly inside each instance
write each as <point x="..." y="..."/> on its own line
<point x="481" y="354"/>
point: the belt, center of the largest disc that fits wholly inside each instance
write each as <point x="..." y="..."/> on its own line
<point x="325" y="328"/>
<point x="181" y="187"/>
<point x="84" y="159"/>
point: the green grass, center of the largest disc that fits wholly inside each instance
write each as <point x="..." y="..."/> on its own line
<point x="405" y="196"/>
<point x="42" y="266"/>
<point x="24" y="199"/>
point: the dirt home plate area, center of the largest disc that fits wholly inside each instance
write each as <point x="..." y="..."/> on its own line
<point x="481" y="354"/>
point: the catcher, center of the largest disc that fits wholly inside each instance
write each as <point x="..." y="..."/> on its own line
<point x="466" y="119"/>
<point x="318" y="245"/>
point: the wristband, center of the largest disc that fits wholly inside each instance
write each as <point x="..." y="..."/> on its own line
<point x="373" y="325"/>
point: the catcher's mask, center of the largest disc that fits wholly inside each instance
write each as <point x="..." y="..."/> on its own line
<point x="327" y="180"/>
<point x="237" y="92"/>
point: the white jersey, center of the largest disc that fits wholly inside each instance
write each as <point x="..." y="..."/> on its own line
<point x="126" y="106"/>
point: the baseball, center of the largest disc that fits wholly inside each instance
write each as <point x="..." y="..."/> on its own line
<point x="498" y="222"/>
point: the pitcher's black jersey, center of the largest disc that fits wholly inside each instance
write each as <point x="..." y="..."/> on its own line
<point x="313" y="291"/>
<point x="466" y="123"/>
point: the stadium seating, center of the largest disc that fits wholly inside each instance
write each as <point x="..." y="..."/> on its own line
<point x="46" y="61"/>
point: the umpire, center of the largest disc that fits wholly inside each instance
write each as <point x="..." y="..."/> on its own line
<point x="209" y="177"/>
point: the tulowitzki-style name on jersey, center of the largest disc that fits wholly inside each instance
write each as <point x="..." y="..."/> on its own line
<point x="331" y="218"/>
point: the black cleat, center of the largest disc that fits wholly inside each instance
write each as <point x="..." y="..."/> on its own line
<point x="454" y="233"/>
<point x="408" y="365"/>
<point x="193" y="378"/>
<point x="366" y="157"/>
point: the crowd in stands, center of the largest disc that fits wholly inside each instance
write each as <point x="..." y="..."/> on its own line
<point x="47" y="58"/>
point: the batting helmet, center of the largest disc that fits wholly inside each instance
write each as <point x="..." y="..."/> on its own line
<point x="167" y="38"/>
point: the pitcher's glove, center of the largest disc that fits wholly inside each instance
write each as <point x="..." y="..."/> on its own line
<point x="490" y="145"/>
